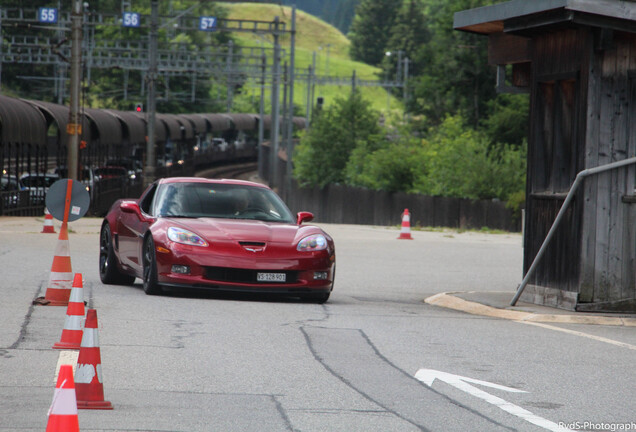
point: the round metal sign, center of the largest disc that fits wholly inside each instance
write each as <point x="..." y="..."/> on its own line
<point x="56" y="200"/>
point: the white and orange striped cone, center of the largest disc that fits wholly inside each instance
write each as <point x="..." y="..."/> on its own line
<point x="63" y="412"/>
<point x="74" y="322"/>
<point x="48" y="222"/>
<point x="405" y="231"/>
<point x="58" y="290"/>
<point x="89" y="387"/>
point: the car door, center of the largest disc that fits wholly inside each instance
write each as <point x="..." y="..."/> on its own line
<point x="130" y="232"/>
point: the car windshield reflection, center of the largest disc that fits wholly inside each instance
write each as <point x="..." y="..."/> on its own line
<point x="227" y="201"/>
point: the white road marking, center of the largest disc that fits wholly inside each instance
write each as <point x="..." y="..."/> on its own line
<point x="585" y="335"/>
<point x="428" y="376"/>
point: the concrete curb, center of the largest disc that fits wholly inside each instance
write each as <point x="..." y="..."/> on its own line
<point x="449" y="301"/>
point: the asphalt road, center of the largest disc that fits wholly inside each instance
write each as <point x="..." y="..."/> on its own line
<point x="202" y="362"/>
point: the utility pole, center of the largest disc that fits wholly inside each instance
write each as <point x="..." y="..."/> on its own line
<point x="308" y="108"/>
<point x="149" y="171"/>
<point x="313" y="86"/>
<point x="283" y="132"/>
<point x="261" y="113"/>
<point x="74" y="126"/>
<point x="0" y="54"/>
<point x="353" y="81"/>
<point x="229" y="83"/>
<point x="290" y="108"/>
<point x="273" y="160"/>
<point x="405" y="89"/>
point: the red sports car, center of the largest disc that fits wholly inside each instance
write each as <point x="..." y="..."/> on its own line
<point x="226" y="235"/>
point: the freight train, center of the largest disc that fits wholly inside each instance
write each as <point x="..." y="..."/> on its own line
<point x="34" y="137"/>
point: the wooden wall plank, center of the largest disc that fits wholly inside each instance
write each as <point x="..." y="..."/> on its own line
<point x="590" y="187"/>
<point x="619" y="176"/>
<point x="629" y="246"/>
<point x="604" y="180"/>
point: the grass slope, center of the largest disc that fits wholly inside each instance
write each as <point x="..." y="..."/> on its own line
<point x="312" y="36"/>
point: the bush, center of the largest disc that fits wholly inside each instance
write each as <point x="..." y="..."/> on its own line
<point x="324" y="151"/>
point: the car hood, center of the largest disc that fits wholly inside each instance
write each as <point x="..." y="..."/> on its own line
<point x="243" y="230"/>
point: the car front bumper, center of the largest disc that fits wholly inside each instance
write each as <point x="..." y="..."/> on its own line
<point x="193" y="267"/>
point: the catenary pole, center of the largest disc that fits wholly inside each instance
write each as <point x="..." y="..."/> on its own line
<point x="273" y="145"/>
<point x="150" y="168"/>
<point x="290" y="109"/>
<point x="74" y="126"/>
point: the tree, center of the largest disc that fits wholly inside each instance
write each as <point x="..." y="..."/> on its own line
<point x="463" y="163"/>
<point x="399" y="165"/>
<point x="408" y="34"/>
<point x="338" y="13"/>
<point x="455" y="76"/>
<point x="507" y="121"/>
<point x="342" y="15"/>
<point x="371" y="29"/>
<point x="323" y="153"/>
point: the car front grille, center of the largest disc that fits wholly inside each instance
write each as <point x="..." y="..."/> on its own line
<point x="234" y="275"/>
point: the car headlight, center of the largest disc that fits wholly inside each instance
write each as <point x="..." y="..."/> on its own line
<point x="183" y="236"/>
<point x="315" y="242"/>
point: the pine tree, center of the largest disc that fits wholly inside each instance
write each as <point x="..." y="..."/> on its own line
<point x="408" y="34"/>
<point x="371" y="29"/>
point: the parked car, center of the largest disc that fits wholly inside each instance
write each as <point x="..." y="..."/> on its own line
<point x="10" y="188"/>
<point x="226" y="235"/>
<point x="86" y="175"/>
<point x="219" y="144"/>
<point x="132" y="166"/>
<point x="109" y="172"/>
<point x="38" y="185"/>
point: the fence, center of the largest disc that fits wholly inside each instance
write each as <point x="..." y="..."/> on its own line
<point x="349" y="205"/>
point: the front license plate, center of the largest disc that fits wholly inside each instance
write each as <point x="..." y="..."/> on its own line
<point x="270" y="277"/>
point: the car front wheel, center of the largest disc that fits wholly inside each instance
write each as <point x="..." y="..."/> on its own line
<point x="151" y="286"/>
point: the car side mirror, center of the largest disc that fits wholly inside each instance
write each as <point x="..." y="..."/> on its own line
<point x="132" y="207"/>
<point x="304" y="217"/>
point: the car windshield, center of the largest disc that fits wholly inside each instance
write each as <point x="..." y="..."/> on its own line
<point x="229" y="201"/>
<point x="8" y="184"/>
<point x="38" y="181"/>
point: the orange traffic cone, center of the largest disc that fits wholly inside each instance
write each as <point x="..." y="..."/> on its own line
<point x="48" y="222"/>
<point x="88" y="375"/>
<point x="63" y="411"/>
<point x="58" y="290"/>
<point x="74" y="323"/>
<point x="405" y="232"/>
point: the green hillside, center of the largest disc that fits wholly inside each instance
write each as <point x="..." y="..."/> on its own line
<point x="312" y="35"/>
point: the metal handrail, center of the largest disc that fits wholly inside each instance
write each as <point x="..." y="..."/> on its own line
<point x="577" y="181"/>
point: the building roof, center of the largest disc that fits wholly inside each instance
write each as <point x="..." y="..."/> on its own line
<point x="520" y="15"/>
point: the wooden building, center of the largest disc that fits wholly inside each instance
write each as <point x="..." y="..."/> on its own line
<point x="577" y="60"/>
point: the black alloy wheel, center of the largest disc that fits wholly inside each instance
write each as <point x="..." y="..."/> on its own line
<point x="151" y="286"/>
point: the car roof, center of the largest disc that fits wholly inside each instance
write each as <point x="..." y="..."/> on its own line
<point x="25" y="175"/>
<point x="169" y="180"/>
